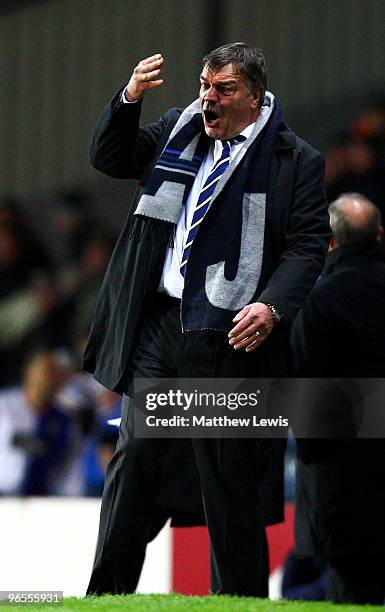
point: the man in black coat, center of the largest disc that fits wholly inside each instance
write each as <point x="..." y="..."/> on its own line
<point x="213" y="303"/>
<point x="340" y="332"/>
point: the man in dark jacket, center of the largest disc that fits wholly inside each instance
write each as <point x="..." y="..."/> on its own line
<point x="225" y="238"/>
<point x="340" y="332"/>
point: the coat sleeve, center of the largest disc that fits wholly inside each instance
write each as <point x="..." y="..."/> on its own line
<point x="307" y="235"/>
<point x="120" y="148"/>
<point x="313" y="333"/>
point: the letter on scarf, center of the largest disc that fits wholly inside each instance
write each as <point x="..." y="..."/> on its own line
<point x="235" y="294"/>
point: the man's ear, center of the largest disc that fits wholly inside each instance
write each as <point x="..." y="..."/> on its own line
<point x="380" y="234"/>
<point x="332" y="244"/>
<point x="255" y="103"/>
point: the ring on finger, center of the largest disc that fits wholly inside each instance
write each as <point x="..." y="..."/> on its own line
<point x="145" y="77"/>
<point x="257" y="334"/>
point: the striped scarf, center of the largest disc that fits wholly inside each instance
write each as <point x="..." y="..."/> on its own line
<point x="226" y="256"/>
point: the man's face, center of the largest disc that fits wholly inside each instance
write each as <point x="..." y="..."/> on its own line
<point x="227" y="105"/>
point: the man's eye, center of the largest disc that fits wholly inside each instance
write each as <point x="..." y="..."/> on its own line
<point x="226" y="90"/>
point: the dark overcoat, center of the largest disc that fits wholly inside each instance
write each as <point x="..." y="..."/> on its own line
<point x="295" y="241"/>
<point x="340" y="332"/>
<point x="296" y="233"/>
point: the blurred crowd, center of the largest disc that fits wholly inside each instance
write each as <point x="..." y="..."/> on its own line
<point x="355" y="161"/>
<point x="54" y="433"/>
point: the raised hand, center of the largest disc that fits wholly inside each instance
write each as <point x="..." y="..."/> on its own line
<point x="144" y="77"/>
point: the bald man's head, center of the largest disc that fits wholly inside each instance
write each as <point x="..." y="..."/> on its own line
<point x="354" y="220"/>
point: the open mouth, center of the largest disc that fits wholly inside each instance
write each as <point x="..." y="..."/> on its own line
<point x="210" y="116"/>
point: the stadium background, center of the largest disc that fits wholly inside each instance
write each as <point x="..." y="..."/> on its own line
<point x="61" y="61"/>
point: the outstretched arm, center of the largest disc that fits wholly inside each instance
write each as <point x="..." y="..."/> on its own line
<point x="120" y="148"/>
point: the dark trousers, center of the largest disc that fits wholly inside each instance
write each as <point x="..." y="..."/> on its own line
<point x="357" y="579"/>
<point x="340" y="515"/>
<point x="228" y="472"/>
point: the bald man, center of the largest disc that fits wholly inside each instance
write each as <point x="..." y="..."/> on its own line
<point x="340" y="332"/>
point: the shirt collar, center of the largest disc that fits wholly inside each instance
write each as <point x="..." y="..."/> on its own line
<point x="218" y="143"/>
<point x="247" y="131"/>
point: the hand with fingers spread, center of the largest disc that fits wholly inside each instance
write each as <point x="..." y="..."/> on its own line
<point x="144" y="77"/>
<point x="254" y="324"/>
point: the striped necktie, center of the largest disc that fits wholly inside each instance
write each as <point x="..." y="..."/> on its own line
<point x="203" y="203"/>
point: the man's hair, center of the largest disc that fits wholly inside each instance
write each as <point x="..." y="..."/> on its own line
<point x="249" y="61"/>
<point x="350" y="228"/>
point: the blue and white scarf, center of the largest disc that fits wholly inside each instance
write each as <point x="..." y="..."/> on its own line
<point x="225" y="262"/>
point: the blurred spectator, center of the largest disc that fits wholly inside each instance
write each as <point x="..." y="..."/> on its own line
<point x="19" y="247"/>
<point x="34" y="432"/>
<point x="82" y="282"/>
<point x="72" y="225"/>
<point x="78" y="398"/>
<point x="40" y="307"/>
<point x="354" y="165"/>
<point x="15" y="266"/>
<point x="371" y="124"/>
<point x="12" y="269"/>
<point x="339" y="334"/>
<point x="356" y="160"/>
<point x="34" y="309"/>
<point x="36" y="316"/>
<point x="101" y="447"/>
<point x="90" y="406"/>
<point x="40" y="310"/>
